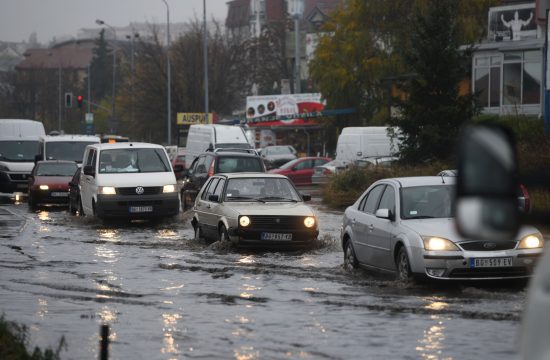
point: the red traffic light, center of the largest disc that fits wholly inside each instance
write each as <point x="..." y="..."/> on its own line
<point x="79" y="100"/>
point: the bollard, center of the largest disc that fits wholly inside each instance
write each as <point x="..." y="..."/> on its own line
<point x="104" y="342"/>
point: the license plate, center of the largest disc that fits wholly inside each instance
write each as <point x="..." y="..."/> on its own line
<point x="140" y="209"/>
<point x="490" y="262"/>
<point x="276" y="236"/>
<point x="21" y="186"/>
<point x="60" y="194"/>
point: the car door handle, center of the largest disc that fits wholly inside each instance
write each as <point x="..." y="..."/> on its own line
<point x="371" y="227"/>
<point x="353" y="221"/>
<point x="208" y="206"/>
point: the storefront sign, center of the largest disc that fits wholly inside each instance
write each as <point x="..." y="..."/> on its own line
<point x="193" y="118"/>
<point x="283" y="110"/>
<point x="512" y="22"/>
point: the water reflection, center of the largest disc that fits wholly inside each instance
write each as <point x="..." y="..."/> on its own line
<point x="431" y="344"/>
<point x="246" y="353"/>
<point x="108" y="315"/>
<point x="42" y="307"/>
<point x="167" y="234"/>
<point x="108" y="234"/>
<point x="44" y="217"/>
<point x="170" y="321"/>
<point x="249" y="259"/>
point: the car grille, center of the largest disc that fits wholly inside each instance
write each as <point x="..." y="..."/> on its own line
<point x="19" y="177"/>
<point x="281" y="223"/>
<point x="151" y="190"/>
<point x="489" y="272"/>
<point x="484" y="245"/>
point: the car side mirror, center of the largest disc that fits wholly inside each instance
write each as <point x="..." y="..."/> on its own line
<point x="89" y="170"/>
<point x="486" y="205"/>
<point x="178" y="168"/>
<point x="383" y="214"/>
<point x="306" y="197"/>
<point x="214" y="198"/>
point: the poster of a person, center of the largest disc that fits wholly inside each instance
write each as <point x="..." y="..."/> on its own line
<point x="516" y="24"/>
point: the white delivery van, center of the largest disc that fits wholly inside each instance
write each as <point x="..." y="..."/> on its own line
<point x="19" y="145"/>
<point x="66" y="147"/>
<point x="127" y="180"/>
<point x="213" y="136"/>
<point x="356" y="143"/>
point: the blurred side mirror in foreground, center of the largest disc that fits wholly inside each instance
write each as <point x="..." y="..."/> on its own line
<point x="486" y="198"/>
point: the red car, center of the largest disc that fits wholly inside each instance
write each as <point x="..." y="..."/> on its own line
<point x="49" y="182"/>
<point x="300" y="170"/>
<point x="179" y="160"/>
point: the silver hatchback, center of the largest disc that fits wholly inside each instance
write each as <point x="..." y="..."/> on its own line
<point x="406" y="226"/>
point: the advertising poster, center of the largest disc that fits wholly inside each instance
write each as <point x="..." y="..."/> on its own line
<point x="283" y="110"/>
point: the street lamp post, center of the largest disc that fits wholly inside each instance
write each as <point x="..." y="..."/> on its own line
<point x="169" y="97"/>
<point x="205" y="52"/>
<point x="131" y="38"/>
<point x="297" y="11"/>
<point x="113" y="114"/>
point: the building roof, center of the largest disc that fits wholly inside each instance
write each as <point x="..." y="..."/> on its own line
<point x="324" y="6"/>
<point x="71" y="56"/>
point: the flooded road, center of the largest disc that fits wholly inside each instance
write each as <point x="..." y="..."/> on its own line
<point x="166" y="296"/>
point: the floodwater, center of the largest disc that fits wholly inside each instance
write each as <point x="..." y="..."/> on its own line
<point x="167" y="296"/>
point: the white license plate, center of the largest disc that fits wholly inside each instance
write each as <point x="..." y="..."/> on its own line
<point x="490" y="262"/>
<point x="60" y="194"/>
<point x="140" y="209"/>
<point x="22" y="186"/>
<point x="276" y="236"/>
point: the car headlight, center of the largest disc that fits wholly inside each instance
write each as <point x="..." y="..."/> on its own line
<point x="169" y="188"/>
<point x="4" y="168"/>
<point x="532" y="241"/>
<point x="244" y="221"/>
<point x="434" y="243"/>
<point x="44" y="187"/>
<point x="107" y="190"/>
<point x="309" y="222"/>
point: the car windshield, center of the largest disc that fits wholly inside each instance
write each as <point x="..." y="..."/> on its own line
<point x="239" y="164"/>
<point x="19" y="151"/>
<point x="422" y="202"/>
<point x="133" y="161"/>
<point x="279" y="150"/>
<point x="56" y="169"/>
<point x="261" y="189"/>
<point x="66" y="150"/>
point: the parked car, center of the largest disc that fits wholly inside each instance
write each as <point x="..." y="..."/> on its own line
<point x="254" y="210"/>
<point x="127" y="180"/>
<point x="210" y="163"/>
<point x="49" y="182"/>
<point x="405" y="226"/>
<point x="277" y="155"/>
<point x="179" y="160"/>
<point x="74" y="192"/>
<point x="322" y="173"/>
<point x="300" y="170"/>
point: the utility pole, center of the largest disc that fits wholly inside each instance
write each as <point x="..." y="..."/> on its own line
<point x="169" y="100"/>
<point x="205" y="52"/>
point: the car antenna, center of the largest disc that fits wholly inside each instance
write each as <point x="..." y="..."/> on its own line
<point x="442" y="178"/>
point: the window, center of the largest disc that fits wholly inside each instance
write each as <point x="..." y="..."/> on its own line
<point x="487" y="80"/>
<point x="209" y="190"/>
<point x="372" y="199"/>
<point x="388" y="199"/>
<point x="306" y="164"/>
<point x="219" y="188"/>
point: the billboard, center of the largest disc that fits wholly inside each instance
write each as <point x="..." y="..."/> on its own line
<point x="512" y="22"/>
<point x="283" y="110"/>
<point x="193" y="118"/>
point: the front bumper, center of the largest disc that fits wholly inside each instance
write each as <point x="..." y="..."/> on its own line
<point x="459" y="266"/>
<point x="13" y="182"/>
<point x="50" y="196"/>
<point x="137" y="206"/>
<point x="252" y="238"/>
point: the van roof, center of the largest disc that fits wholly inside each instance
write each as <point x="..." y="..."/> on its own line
<point x="21" y="129"/>
<point x="69" y="137"/>
<point x="126" y="145"/>
<point x="365" y="130"/>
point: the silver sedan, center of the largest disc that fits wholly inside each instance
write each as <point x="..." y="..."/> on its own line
<point x="406" y="226"/>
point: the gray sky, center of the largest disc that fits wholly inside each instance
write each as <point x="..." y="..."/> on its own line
<point x="49" y="18"/>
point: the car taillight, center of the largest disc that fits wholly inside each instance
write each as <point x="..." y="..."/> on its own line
<point x="211" y="170"/>
<point x="525" y="194"/>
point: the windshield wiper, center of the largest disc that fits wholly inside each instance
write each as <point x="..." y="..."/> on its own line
<point x="420" y="217"/>
<point x="244" y="198"/>
<point x="277" y="198"/>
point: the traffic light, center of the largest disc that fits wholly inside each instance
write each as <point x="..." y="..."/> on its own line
<point x="79" y="100"/>
<point x="68" y="100"/>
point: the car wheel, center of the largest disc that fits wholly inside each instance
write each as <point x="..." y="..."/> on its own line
<point x="184" y="205"/>
<point x="403" y="265"/>
<point x="31" y="201"/>
<point x="224" y="236"/>
<point x="350" y="261"/>
<point x="80" y="208"/>
<point x="72" y="209"/>
<point x="198" y="233"/>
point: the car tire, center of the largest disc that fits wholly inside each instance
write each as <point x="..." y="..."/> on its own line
<point x="403" y="265"/>
<point x="72" y="209"/>
<point x="223" y="235"/>
<point x="80" y="208"/>
<point x="31" y="201"/>
<point x="350" y="260"/>
<point x="183" y="202"/>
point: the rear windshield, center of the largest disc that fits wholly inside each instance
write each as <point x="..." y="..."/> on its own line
<point x="62" y="169"/>
<point x="239" y="164"/>
<point x="133" y="161"/>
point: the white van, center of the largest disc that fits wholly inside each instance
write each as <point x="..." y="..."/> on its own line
<point x="355" y="143"/>
<point x="66" y="147"/>
<point x="213" y="136"/>
<point x="19" y="145"/>
<point x="127" y="180"/>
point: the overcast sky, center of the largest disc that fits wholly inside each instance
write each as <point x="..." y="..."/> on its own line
<point x="49" y="18"/>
